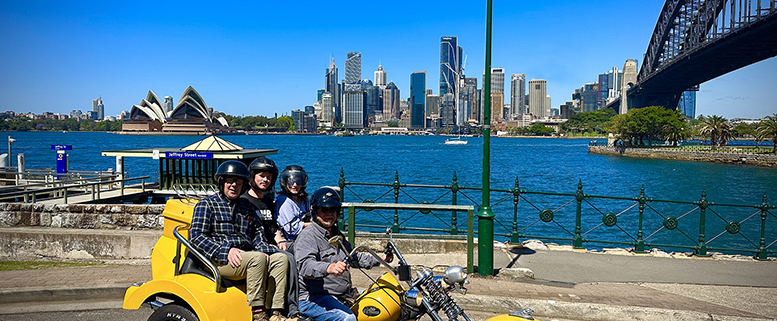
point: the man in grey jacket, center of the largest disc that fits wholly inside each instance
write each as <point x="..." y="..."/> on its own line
<point x="324" y="278"/>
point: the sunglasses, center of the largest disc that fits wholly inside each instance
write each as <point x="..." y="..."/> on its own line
<point x="329" y="209"/>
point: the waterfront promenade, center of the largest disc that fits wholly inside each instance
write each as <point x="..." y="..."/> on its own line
<point x="567" y="285"/>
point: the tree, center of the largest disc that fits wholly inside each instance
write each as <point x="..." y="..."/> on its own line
<point x="541" y="130"/>
<point x="717" y="128"/>
<point x="767" y="129"/>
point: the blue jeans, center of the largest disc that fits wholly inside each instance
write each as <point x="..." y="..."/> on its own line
<point x="325" y="308"/>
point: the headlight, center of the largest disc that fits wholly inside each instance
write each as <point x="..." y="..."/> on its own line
<point x="455" y="274"/>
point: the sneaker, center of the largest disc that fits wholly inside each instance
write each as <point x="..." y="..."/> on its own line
<point x="277" y="316"/>
<point x="260" y="316"/>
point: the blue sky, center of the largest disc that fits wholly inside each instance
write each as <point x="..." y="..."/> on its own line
<point x="261" y="58"/>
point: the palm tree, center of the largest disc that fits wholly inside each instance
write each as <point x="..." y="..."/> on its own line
<point x="767" y="129"/>
<point x="717" y="128"/>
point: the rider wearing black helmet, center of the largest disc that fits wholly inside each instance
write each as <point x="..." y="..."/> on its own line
<point x="225" y="229"/>
<point x="263" y="175"/>
<point x="324" y="278"/>
<point x="292" y="203"/>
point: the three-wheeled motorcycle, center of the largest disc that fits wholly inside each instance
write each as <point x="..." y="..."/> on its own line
<point x="186" y="285"/>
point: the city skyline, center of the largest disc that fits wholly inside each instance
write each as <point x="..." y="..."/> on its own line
<point x="249" y="61"/>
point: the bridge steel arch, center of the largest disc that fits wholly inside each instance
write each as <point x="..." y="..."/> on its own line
<point x="698" y="40"/>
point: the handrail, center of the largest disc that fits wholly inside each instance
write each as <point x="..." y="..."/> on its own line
<point x="418" y="207"/>
<point x="200" y="256"/>
<point x="59" y="182"/>
<point x="64" y="189"/>
<point x="639" y="221"/>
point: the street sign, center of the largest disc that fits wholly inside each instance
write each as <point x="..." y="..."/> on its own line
<point x="61" y="147"/>
<point x="189" y="155"/>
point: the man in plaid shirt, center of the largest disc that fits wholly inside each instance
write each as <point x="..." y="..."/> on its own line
<point x="225" y="229"/>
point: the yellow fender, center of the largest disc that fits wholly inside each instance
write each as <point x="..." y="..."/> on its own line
<point x="198" y="292"/>
<point x="383" y="298"/>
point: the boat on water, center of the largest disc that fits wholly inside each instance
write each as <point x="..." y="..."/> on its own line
<point x="344" y="133"/>
<point x="455" y="141"/>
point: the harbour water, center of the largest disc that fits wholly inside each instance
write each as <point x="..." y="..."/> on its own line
<point x="549" y="165"/>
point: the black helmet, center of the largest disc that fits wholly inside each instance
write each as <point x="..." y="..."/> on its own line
<point x="263" y="164"/>
<point x="294" y="174"/>
<point x="231" y="168"/>
<point x="325" y="197"/>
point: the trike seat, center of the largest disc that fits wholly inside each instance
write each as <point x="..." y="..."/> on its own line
<point x="192" y="264"/>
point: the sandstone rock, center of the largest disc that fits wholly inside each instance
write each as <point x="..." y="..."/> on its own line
<point x="136" y="209"/>
<point x="88" y="208"/>
<point x="616" y="251"/>
<point x="659" y="253"/>
<point x="76" y="208"/>
<point x="156" y="208"/>
<point x="49" y="208"/>
<point x="56" y="220"/>
<point x="116" y="209"/>
<point x="535" y="245"/>
<point x="515" y="273"/>
<point x="13" y="206"/>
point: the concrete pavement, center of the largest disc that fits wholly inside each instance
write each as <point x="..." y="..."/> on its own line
<point x="568" y="285"/>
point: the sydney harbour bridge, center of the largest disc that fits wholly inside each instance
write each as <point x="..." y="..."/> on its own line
<point x="698" y="40"/>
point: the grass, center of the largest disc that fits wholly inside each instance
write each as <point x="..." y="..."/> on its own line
<point x="39" y="265"/>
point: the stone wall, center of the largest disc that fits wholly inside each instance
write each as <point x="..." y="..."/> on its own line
<point x="82" y="216"/>
<point x="765" y="160"/>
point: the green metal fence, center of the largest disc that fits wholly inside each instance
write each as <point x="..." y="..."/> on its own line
<point x="578" y="218"/>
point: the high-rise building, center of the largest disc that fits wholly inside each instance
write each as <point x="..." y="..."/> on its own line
<point x="497" y="106"/>
<point x="448" y="110"/>
<point x="168" y="104"/>
<point x="353" y="67"/>
<point x="327" y="108"/>
<point x="629" y="79"/>
<point x="353" y="109"/>
<point x="450" y="65"/>
<point x="98" y="110"/>
<point x="468" y="100"/>
<point x="319" y="93"/>
<point x="687" y="103"/>
<point x="517" y="95"/>
<point x="391" y="98"/>
<point x="497" y="80"/>
<point x="333" y="87"/>
<point x="417" y="99"/>
<point x="538" y="92"/>
<point x="432" y="103"/>
<point x="588" y="97"/>
<point x="380" y="77"/>
<point x="372" y="104"/>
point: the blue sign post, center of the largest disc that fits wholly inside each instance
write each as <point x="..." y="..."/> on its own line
<point x="62" y="160"/>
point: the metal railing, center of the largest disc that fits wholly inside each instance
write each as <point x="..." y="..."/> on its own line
<point x="425" y="209"/>
<point x="579" y="218"/>
<point x="49" y="176"/>
<point x="68" y="190"/>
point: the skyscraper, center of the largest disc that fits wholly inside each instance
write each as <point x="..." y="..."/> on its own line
<point x="98" y="110"/>
<point x="353" y="67"/>
<point x="391" y="102"/>
<point x="168" y="104"/>
<point x="333" y="87"/>
<point x="537" y="95"/>
<point x="353" y="109"/>
<point x="687" y="103"/>
<point x="450" y="65"/>
<point x="517" y="95"/>
<point x="497" y="80"/>
<point x="497" y="106"/>
<point x="380" y="77"/>
<point x="468" y="100"/>
<point x="417" y="99"/>
<point x="327" y="108"/>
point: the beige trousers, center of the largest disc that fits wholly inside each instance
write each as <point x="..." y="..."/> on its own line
<point x="265" y="281"/>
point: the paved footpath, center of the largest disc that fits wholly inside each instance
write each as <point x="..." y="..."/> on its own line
<point x="567" y="285"/>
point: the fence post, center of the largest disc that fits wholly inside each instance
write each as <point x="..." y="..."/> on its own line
<point x="454" y="191"/>
<point x="640" y="247"/>
<point x="471" y="241"/>
<point x="65" y="194"/>
<point x="762" y="243"/>
<point x="703" y="204"/>
<point x="514" y="237"/>
<point x="352" y="225"/>
<point x="577" y="243"/>
<point x="341" y="184"/>
<point x="395" y="226"/>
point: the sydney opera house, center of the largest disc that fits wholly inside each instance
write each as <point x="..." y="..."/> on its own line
<point x="191" y="116"/>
